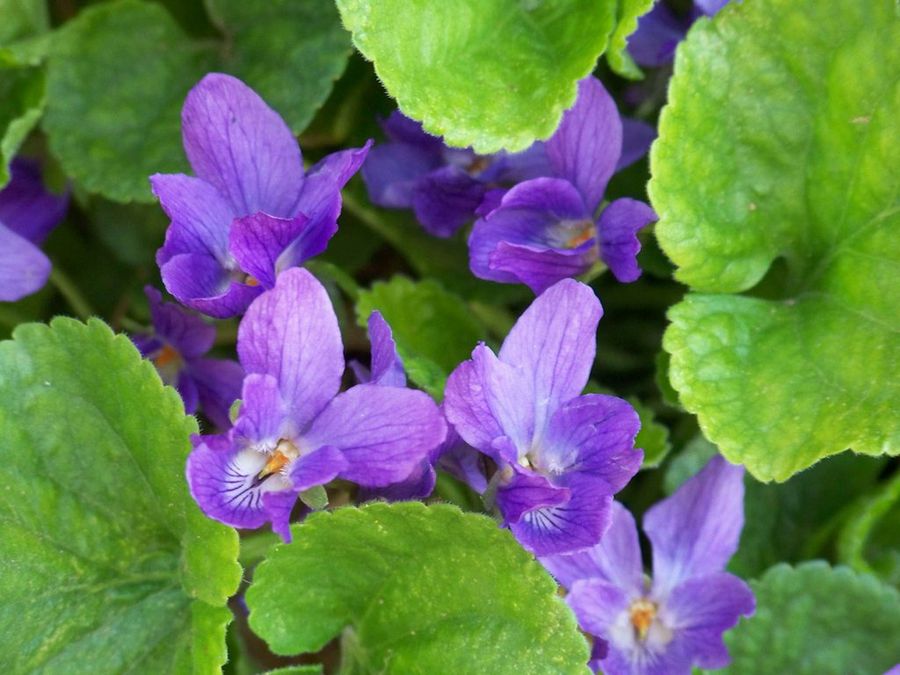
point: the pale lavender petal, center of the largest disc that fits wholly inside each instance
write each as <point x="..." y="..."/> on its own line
<point x="696" y="530"/>
<point x="384" y="432"/>
<point x="200" y="282"/>
<point x="586" y="146"/>
<point x="189" y="334"/>
<point x="387" y="366"/>
<point x="539" y="269"/>
<point x="218" y="386"/>
<point x="594" y="436"/>
<point x="700" y="610"/>
<point x="616" y="559"/>
<point x="598" y="605"/>
<point x="24" y="269"/>
<point x="418" y="485"/>
<point x="445" y="199"/>
<point x="554" y="342"/>
<point x="318" y="467"/>
<point x="619" y="244"/>
<point x="637" y="136"/>
<point x="658" y="33"/>
<point x="26" y="206"/>
<point x="467" y="408"/>
<point x="241" y="146"/>
<point x="291" y="333"/>
<point x="526" y="491"/>
<point x="256" y="242"/>
<point x="200" y="217"/>
<point x="573" y="526"/>
<point x="263" y="419"/>
<point x="320" y="197"/>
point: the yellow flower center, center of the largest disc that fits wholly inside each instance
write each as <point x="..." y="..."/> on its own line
<point x="642" y="614"/>
<point x="283" y="453"/>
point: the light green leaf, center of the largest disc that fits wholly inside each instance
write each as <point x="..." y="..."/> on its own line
<point x="487" y="73"/>
<point x="653" y="438"/>
<point x="626" y="23"/>
<point x="862" y="524"/>
<point x="106" y="564"/>
<point x="117" y="76"/>
<point x="22" y="19"/>
<point x="779" y="140"/>
<point x="292" y="52"/>
<point x="434" y="330"/>
<point x="415" y="589"/>
<point x="21" y="104"/>
<point x="814" y="619"/>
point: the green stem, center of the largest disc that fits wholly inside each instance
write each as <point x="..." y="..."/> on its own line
<point x="67" y="288"/>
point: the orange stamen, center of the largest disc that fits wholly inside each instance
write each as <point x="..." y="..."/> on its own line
<point x="166" y="356"/>
<point x="251" y="281"/>
<point x="276" y="463"/>
<point x="643" y="612"/>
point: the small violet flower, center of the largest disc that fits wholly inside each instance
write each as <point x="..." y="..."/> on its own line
<point x="545" y="229"/>
<point x="676" y="622"/>
<point x="560" y="456"/>
<point x="660" y="30"/>
<point x="444" y="186"/>
<point x="251" y="212"/>
<point x="294" y="430"/>
<point x="177" y="348"/>
<point x="27" y="215"/>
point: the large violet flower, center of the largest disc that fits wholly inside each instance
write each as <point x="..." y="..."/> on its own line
<point x="660" y="30"/>
<point x="544" y="229"/>
<point x="444" y="186"/>
<point x="177" y="347"/>
<point x="675" y="622"/>
<point x="251" y="212"/>
<point x="560" y="456"/>
<point x="294" y="430"/>
<point x="27" y="215"/>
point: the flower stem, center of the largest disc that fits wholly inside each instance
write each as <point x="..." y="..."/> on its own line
<point x="67" y="288"/>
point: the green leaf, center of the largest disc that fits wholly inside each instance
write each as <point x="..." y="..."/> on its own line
<point x="816" y="619"/>
<point x="626" y="23"/>
<point x="291" y="51"/>
<point x="22" y="19"/>
<point x="778" y="142"/>
<point x="487" y="73"/>
<point x="21" y="105"/>
<point x="416" y="589"/>
<point x="434" y="330"/>
<point x="111" y="123"/>
<point x="863" y="522"/>
<point x="653" y="437"/>
<point x="106" y="564"/>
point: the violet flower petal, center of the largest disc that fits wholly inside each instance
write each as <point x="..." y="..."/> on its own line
<point x="201" y="283"/>
<point x="264" y="416"/>
<point x="541" y="268"/>
<point x="257" y="241"/>
<point x="586" y="146"/>
<point x="695" y="531"/>
<point x="658" y="33"/>
<point x="291" y="333"/>
<point x="218" y="384"/>
<point x="417" y="485"/>
<point x="384" y="432"/>
<point x="387" y="366"/>
<point x="190" y="335"/>
<point x="446" y="199"/>
<point x="26" y="206"/>
<point x="241" y="146"/>
<point x="618" y="226"/>
<point x="710" y="7"/>
<point x="24" y="269"/>
<point x="637" y="136"/>
<point x="526" y="491"/>
<point x="392" y="171"/>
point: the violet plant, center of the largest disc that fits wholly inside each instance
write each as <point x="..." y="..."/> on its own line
<point x="260" y="412"/>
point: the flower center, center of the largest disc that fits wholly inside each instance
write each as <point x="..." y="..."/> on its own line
<point x="583" y="231"/>
<point x="477" y="165"/>
<point x="283" y="453"/>
<point x="168" y="362"/>
<point x="642" y="614"/>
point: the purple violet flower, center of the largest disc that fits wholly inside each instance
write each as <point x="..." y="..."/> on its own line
<point x="675" y="622"/>
<point x="444" y="186"/>
<point x="544" y="229"/>
<point x="660" y="30"/>
<point x="251" y="212"/>
<point x="177" y="348"/>
<point x="27" y="215"/>
<point x="560" y="455"/>
<point x="294" y="430"/>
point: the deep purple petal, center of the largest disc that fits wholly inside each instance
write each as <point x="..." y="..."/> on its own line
<point x="696" y="530"/>
<point x="26" y="207"/>
<point x="619" y="244"/>
<point x="218" y="386"/>
<point x="462" y="461"/>
<point x="539" y="269"/>
<point x="637" y="136"/>
<point x="593" y="435"/>
<point x="401" y="129"/>
<point x="291" y="333"/>
<point x="710" y="7"/>
<point x="616" y="559"/>
<point x="658" y="33"/>
<point x="199" y="282"/>
<point x="446" y="199"/>
<point x="24" y="269"/>
<point x="586" y="146"/>
<point x="532" y="162"/>
<point x="701" y="609"/>
<point x="256" y="242"/>
<point x="392" y="171"/>
<point x="241" y="146"/>
<point x="277" y="507"/>
<point x="554" y="342"/>
<point x="384" y="432"/>
<point x="200" y="217"/>
<point x="417" y="485"/>
<point x="190" y="335"/>
<point x="387" y="366"/>
<point x="573" y="526"/>
<point x="526" y="491"/>
<point x="320" y="197"/>
<point x="187" y="389"/>
<point x="491" y="201"/>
